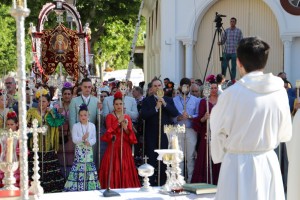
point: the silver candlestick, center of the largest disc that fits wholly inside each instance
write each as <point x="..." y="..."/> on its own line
<point x="146" y="171"/>
<point x="36" y="187"/>
<point x="9" y="180"/>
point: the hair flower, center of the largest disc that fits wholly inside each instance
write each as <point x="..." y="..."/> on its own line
<point x="41" y="92"/>
<point x="210" y="78"/>
<point x="118" y="95"/>
<point x="11" y="115"/>
<point x="67" y="85"/>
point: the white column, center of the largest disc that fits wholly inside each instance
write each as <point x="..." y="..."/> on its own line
<point x="287" y="43"/>
<point x="20" y="12"/>
<point x="189" y="46"/>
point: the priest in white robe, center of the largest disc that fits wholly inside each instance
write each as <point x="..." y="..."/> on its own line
<point x="249" y="121"/>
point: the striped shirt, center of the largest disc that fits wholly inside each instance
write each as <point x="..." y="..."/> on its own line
<point x="231" y="38"/>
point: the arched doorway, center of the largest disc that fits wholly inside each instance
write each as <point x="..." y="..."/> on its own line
<point x="254" y="18"/>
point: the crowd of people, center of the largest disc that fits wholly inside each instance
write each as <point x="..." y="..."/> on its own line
<point x="248" y="120"/>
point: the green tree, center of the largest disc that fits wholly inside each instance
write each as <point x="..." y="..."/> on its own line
<point x="116" y="42"/>
<point x="8" y="60"/>
<point x="103" y="16"/>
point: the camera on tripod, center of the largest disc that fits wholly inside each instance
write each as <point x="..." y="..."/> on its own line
<point x="218" y="20"/>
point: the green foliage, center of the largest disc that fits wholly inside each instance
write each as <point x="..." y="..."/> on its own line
<point x="112" y="23"/>
<point x="116" y="43"/>
<point x="8" y="59"/>
<point x="8" y="44"/>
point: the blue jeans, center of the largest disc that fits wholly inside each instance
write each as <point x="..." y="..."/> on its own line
<point x="225" y="63"/>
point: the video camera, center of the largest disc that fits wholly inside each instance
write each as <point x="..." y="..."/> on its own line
<point x="218" y="20"/>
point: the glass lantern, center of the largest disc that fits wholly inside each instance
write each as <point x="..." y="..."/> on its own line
<point x="8" y="149"/>
<point x="8" y="161"/>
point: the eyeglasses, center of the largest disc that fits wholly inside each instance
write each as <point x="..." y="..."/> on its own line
<point x="194" y="90"/>
<point x="6" y="83"/>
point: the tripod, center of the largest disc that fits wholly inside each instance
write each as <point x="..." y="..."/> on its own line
<point x="218" y="31"/>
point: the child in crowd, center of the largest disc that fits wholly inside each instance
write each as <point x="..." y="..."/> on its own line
<point x="83" y="175"/>
<point x="11" y="123"/>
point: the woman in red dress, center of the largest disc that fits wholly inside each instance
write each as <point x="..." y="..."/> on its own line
<point x="200" y="168"/>
<point x="124" y="176"/>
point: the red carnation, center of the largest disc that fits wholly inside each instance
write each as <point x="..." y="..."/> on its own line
<point x="118" y="95"/>
<point x="11" y="115"/>
<point x="210" y="78"/>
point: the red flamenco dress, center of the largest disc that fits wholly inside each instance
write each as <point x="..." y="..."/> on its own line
<point x="200" y="169"/>
<point x="127" y="177"/>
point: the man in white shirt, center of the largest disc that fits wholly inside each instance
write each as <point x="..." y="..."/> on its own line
<point x="188" y="109"/>
<point x="249" y="121"/>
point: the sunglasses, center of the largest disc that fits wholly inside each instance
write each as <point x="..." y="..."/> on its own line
<point x="6" y="83"/>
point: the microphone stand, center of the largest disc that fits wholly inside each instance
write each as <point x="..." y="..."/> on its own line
<point x="108" y="192"/>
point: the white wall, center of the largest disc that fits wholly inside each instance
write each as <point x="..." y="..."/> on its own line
<point x="295" y="73"/>
<point x="180" y="19"/>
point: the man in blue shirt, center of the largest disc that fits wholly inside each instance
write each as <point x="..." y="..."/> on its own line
<point x="187" y="105"/>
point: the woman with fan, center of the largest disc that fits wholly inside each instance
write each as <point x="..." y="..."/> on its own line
<point x="51" y="177"/>
<point x="124" y="176"/>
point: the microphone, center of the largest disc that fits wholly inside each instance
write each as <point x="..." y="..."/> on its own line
<point x="108" y="192"/>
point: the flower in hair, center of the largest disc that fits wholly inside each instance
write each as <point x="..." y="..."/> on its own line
<point x="67" y="85"/>
<point x="41" y="92"/>
<point x="11" y="115"/>
<point x="83" y="107"/>
<point x="118" y="95"/>
<point x="210" y="78"/>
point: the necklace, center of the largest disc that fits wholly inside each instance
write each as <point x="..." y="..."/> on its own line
<point x="116" y="115"/>
<point x="66" y="111"/>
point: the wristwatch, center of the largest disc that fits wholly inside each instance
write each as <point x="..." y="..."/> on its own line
<point x="190" y="117"/>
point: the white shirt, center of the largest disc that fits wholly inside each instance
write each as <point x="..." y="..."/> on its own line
<point x="80" y="129"/>
<point x="86" y="99"/>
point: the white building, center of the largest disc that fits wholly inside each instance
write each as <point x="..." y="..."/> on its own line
<point x="180" y="33"/>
